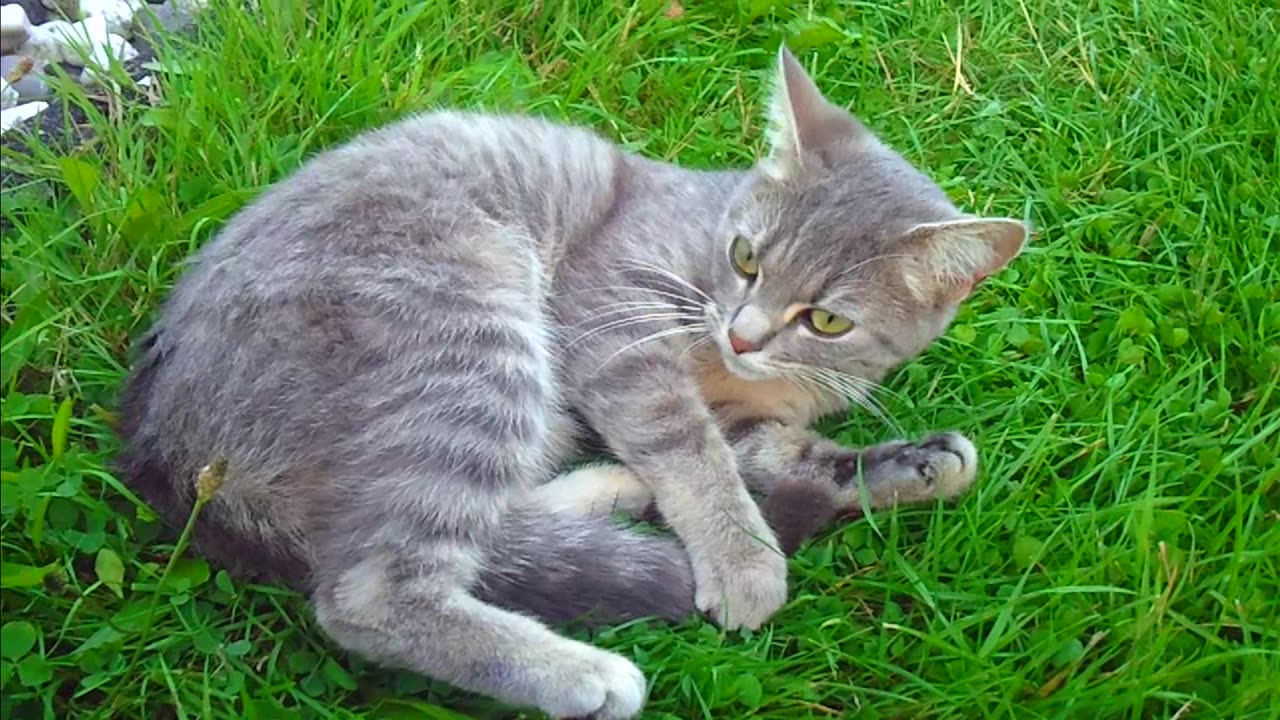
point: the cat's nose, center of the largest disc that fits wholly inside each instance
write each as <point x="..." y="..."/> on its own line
<point x="739" y="345"/>
<point x="749" y="329"/>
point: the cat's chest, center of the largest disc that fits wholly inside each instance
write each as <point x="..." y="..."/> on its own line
<point x="735" y="399"/>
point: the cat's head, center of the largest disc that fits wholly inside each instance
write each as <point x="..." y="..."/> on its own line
<point x="837" y="254"/>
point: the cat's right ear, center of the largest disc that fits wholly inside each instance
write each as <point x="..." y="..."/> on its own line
<point x="951" y="258"/>
<point x="803" y="125"/>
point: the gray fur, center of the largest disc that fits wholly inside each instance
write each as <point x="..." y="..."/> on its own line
<point x="394" y="349"/>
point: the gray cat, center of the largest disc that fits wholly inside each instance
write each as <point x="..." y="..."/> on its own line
<point x="394" y="350"/>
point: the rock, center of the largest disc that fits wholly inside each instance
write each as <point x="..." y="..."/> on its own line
<point x="162" y="18"/>
<point x="99" y="65"/>
<point x="61" y="41"/>
<point x="119" y="14"/>
<point x="26" y="81"/>
<point x="36" y="12"/>
<point x="45" y="43"/>
<point x="10" y="117"/>
<point x="8" y="96"/>
<point x="15" y="27"/>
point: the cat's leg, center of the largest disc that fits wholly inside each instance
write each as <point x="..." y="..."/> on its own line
<point x="425" y="555"/>
<point x="597" y="489"/>
<point x="651" y="414"/>
<point x="409" y="606"/>
<point x="808" y="480"/>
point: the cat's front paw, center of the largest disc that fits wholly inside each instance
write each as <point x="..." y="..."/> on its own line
<point x="587" y="682"/>
<point x="941" y="466"/>
<point x="743" y="587"/>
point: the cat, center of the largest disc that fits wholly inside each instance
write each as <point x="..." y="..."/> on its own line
<point x="393" y="351"/>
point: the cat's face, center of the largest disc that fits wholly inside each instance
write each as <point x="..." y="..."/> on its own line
<point x="837" y="260"/>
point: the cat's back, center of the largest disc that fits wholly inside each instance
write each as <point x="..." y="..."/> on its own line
<point x="408" y="183"/>
<point x="342" y="307"/>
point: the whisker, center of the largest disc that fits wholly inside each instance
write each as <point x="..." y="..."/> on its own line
<point x="669" y="332"/>
<point x="642" y="265"/>
<point x="860" y="395"/>
<point x="694" y="345"/>
<point x="867" y="388"/>
<point x="637" y="306"/>
<point x="682" y="299"/>
<point x="851" y="387"/>
<point x="871" y="384"/>
<point x="634" y="320"/>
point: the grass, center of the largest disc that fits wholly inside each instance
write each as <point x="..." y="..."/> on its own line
<point x="1119" y="558"/>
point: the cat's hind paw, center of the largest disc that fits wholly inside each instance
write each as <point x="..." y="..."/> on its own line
<point x="948" y="462"/>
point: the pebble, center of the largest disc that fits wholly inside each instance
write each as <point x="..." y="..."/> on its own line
<point x="15" y="28"/>
<point x="48" y="42"/>
<point x="166" y="18"/>
<point x="36" y="11"/>
<point x="16" y="114"/>
<point x="116" y="48"/>
<point x="75" y="43"/>
<point x="81" y="36"/>
<point x="119" y="14"/>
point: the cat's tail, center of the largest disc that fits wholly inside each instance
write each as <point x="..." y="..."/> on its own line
<point x="559" y="567"/>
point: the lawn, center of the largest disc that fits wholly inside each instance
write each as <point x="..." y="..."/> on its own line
<point x="1119" y="556"/>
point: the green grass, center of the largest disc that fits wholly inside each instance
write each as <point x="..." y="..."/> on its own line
<point x="1119" y="556"/>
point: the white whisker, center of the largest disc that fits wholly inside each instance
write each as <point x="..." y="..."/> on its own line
<point x="855" y="389"/>
<point x="634" y="320"/>
<point x="620" y="308"/>
<point x="694" y="345"/>
<point x="663" y="272"/>
<point x="684" y="300"/>
<point x="669" y="332"/>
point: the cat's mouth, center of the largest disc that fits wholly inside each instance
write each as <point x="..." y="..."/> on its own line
<point x="744" y="366"/>
<point x="751" y="366"/>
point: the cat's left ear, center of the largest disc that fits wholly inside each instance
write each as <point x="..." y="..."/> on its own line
<point x="803" y="125"/>
<point x="951" y="258"/>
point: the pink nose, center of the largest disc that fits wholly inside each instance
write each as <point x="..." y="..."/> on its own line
<point x="739" y="345"/>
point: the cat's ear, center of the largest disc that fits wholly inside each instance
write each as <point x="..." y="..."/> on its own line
<point x="950" y="258"/>
<point x="803" y="124"/>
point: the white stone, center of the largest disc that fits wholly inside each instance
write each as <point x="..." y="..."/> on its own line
<point x="14" y="115"/>
<point x="8" y="95"/>
<point x="45" y="43"/>
<point x="117" y="48"/>
<point x="118" y="13"/>
<point x="61" y="41"/>
<point x="15" y="28"/>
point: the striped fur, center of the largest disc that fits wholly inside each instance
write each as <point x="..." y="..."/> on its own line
<point x="397" y="347"/>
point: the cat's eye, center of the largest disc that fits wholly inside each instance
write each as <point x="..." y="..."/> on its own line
<point x="744" y="258"/>
<point x="827" y="323"/>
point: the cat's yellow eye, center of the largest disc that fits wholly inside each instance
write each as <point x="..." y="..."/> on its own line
<point x="744" y="258"/>
<point x="826" y="323"/>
